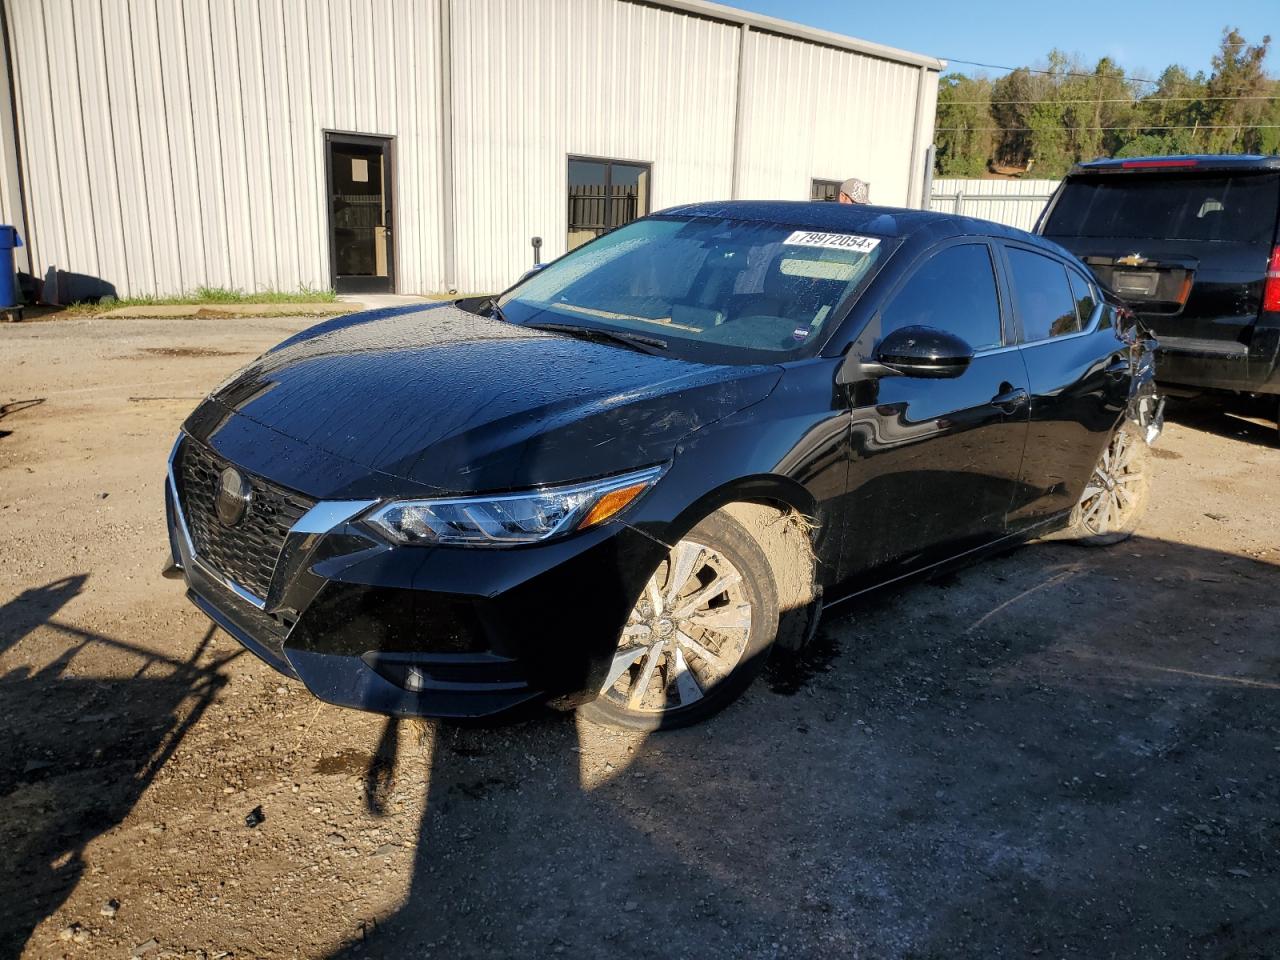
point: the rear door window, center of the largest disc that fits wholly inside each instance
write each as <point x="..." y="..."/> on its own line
<point x="1239" y="208"/>
<point x="1042" y="296"/>
<point x="1082" y="290"/>
<point x="954" y="290"/>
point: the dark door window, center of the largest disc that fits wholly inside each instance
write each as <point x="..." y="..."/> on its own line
<point x="1082" y="290"/>
<point x="1042" y="295"/>
<point x="362" y="251"/>
<point x="954" y="290"/>
<point x="828" y="190"/>
<point x="604" y="194"/>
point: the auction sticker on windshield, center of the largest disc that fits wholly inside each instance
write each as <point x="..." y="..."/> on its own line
<point x="834" y="241"/>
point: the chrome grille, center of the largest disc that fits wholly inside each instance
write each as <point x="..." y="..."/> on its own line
<point x="246" y="553"/>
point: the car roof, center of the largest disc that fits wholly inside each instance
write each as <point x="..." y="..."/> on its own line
<point x="924" y="226"/>
<point x="1182" y="163"/>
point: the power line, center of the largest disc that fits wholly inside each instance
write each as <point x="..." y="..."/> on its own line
<point x="1088" y="76"/>
<point x="1048" y="73"/>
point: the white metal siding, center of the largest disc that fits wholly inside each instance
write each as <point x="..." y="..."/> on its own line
<point x="173" y="144"/>
<point x="1016" y="203"/>
<point x="170" y="144"/>
<point x="813" y="111"/>
<point x="10" y="188"/>
<point x="536" y="82"/>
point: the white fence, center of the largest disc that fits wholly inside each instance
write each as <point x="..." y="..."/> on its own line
<point x="1016" y="203"/>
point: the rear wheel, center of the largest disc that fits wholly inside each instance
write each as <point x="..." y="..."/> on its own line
<point x="1115" y="498"/>
<point x="698" y="634"/>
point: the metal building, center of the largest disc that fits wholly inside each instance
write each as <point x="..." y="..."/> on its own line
<point x="154" y="146"/>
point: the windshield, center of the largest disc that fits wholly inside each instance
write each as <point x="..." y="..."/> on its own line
<point x="1240" y="209"/>
<point x="715" y="290"/>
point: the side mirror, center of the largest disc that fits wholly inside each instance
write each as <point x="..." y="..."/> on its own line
<point x="920" y="352"/>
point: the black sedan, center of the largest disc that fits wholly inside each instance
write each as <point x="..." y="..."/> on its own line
<point x="619" y="484"/>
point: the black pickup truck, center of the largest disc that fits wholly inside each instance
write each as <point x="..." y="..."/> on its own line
<point x="1190" y="244"/>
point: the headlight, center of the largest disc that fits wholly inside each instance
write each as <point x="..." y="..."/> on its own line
<point x="512" y="518"/>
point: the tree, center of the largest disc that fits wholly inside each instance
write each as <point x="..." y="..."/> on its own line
<point x="964" y="125"/>
<point x="1012" y="97"/>
<point x="1064" y="112"/>
<point x="1237" y="81"/>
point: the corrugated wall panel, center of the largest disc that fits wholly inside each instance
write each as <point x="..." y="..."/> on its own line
<point x="66" y="118"/>
<point x="232" y="142"/>
<point x="177" y="209"/>
<point x="98" y="121"/>
<point x="258" y="188"/>
<point x="1016" y="203"/>
<point x="171" y="144"/>
<point x="10" y="188"/>
<point x="534" y="83"/>
<point x="208" y="119"/>
<point x="47" y="230"/>
<point x="929" y="112"/>
<point x="281" y="182"/>
<point x="815" y="112"/>
<point x="123" y="124"/>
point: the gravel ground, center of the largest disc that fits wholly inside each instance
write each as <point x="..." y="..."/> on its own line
<point x="1058" y="753"/>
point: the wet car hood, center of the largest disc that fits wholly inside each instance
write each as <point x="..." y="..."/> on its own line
<point x="448" y="400"/>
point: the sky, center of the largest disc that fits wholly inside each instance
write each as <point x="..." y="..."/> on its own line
<point x="1142" y="35"/>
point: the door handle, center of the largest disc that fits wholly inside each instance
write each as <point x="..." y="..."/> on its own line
<point x="1011" y="399"/>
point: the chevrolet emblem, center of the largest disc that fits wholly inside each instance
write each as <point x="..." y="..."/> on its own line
<point x="1132" y="260"/>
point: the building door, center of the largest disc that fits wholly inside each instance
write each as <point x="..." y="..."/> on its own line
<point x="362" y="253"/>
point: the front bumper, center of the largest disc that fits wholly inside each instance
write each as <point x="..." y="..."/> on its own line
<point x="427" y="631"/>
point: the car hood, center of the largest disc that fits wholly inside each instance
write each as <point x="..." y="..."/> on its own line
<point x="447" y="400"/>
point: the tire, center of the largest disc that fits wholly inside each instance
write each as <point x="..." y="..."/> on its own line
<point x="691" y="648"/>
<point x="1115" y="498"/>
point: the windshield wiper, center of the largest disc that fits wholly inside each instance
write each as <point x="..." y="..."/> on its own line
<point x="494" y="309"/>
<point x="482" y="307"/>
<point x="636" y="341"/>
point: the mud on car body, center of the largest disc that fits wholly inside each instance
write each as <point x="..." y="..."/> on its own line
<point x="619" y="484"/>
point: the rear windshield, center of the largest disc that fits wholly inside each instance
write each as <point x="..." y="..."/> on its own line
<point x="1234" y="208"/>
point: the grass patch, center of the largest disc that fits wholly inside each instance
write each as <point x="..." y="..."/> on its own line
<point x="203" y="295"/>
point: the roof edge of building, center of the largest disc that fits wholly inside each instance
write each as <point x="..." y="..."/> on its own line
<point x="789" y="28"/>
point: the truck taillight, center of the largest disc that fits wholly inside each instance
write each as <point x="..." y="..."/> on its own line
<point x="1271" y="292"/>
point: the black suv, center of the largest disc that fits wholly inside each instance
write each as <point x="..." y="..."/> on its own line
<point x="1190" y="244"/>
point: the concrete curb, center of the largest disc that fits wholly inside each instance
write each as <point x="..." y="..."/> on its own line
<point x="213" y="310"/>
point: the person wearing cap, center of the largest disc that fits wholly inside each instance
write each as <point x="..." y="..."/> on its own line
<point x="854" y="190"/>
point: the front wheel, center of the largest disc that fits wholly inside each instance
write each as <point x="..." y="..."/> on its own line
<point x="1115" y="498"/>
<point x="697" y="636"/>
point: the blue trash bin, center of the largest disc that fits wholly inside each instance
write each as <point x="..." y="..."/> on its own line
<point x="9" y="241"/>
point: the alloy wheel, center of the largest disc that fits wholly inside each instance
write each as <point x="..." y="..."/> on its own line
<point x="1112" y="495"/>
<point x="686" y="633"/>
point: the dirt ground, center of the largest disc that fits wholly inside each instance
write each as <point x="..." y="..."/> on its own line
<point x="1058" y="753"/>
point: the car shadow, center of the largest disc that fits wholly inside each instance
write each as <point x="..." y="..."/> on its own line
<point x="1062" y="761"/>
<point x="1229" y="416"/>
<point x="17" y="406"/>
<point x="97" y="745"/>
